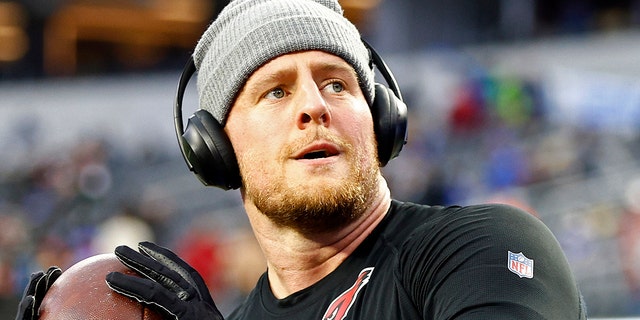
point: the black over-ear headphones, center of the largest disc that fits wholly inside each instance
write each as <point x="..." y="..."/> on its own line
<point x="207" y="150"/>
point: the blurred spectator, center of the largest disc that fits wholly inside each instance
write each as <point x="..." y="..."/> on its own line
<point x="156" y="205"/>
<point x="13" y="240"/>
<point x="200" y="248"/>
<point x="629" y="239"/>
<point x="467" y="112"/>
<point x="54" y="251"/>
<point x="8" y="299"/>
<point x="243" y="264"/>
<point x="123" y="228"/>
<point x="507" y="164"/>
<point x="229" y="260"/>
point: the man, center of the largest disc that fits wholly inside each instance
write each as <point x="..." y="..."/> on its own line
<point x="292" y="84"/>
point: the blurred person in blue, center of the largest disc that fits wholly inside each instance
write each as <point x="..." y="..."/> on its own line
<point x="291" y="115"/>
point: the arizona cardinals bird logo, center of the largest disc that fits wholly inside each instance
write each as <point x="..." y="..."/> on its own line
<point x="339" y="307"/>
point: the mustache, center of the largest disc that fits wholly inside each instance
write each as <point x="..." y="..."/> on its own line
<point x="320" y="134"/>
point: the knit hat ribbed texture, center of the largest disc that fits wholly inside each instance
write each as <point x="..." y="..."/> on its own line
<point x="249" y="33"/>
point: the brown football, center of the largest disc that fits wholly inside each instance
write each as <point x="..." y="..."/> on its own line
<point x="81" y="293"/>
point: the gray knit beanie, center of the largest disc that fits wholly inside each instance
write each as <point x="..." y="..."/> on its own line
<point x="249" y="33"/>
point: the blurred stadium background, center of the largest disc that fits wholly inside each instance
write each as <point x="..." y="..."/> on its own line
<point x="530" y="102"/>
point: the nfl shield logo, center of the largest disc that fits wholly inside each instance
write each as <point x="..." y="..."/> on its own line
<point x="520" y="265"/>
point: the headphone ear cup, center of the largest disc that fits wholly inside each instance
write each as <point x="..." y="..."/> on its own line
<point x="209" y="153"/>
<point x="389" y="122"/>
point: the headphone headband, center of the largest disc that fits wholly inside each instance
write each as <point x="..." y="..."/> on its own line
<point x="187" y="73"/>
<point x="385" y="71"/>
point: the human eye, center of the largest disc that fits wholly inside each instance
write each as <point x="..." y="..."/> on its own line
<point x="335" y="86"/>
<point x="275" y="93"/>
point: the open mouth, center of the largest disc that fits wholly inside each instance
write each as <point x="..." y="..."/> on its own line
<point x="317" y="155"/>
<point x="318" y="152"/>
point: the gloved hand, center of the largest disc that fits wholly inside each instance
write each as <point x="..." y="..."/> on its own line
<point x="39" y="284"/>
<point x="169" y="283"/>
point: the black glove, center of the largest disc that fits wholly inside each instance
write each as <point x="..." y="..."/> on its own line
<point x="39" y="284"/>
<point x="169" y="283"/>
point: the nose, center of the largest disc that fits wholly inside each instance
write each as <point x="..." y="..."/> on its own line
<point x="313" y="107"/>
